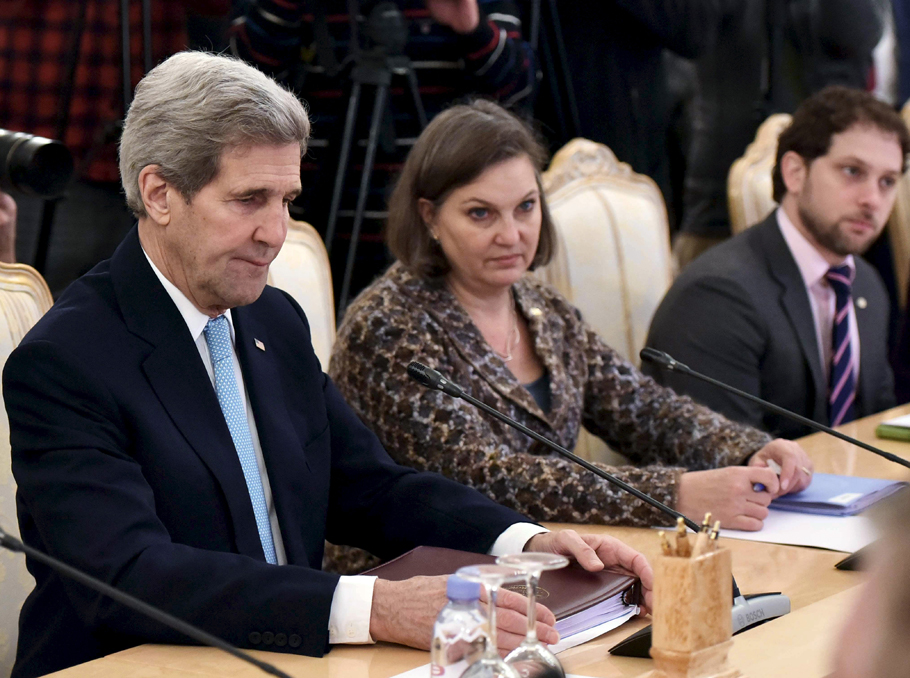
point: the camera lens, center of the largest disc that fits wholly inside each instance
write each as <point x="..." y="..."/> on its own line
<point x="33" y="165"/>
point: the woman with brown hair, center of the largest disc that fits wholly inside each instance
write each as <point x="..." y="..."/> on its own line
<point x="467" y="221"/>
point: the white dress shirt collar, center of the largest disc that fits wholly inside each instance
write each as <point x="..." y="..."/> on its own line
<point x="195" y="319"/>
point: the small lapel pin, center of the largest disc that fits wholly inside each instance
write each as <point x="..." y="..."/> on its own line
<point x="861" y="302"/>
<point x="535" y="312"/>
<point x="259" y="344"/>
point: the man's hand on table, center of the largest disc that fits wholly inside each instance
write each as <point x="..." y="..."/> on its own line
<point x="404" y="612"/>
<point x="596" y="552"/>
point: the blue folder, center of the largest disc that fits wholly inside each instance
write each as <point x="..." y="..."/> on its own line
<point x="834" y="495"/>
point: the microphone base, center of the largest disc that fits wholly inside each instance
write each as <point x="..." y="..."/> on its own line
<point x="748" y="612"/>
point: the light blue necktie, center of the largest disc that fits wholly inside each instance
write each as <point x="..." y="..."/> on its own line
<point x="218" y="338"/>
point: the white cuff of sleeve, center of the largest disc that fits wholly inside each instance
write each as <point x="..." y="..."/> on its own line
<point x="352" y="604"/>
<point x="515" y="538"/>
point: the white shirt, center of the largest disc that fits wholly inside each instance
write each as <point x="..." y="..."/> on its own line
<point x="813" y="267"/>
<point x="349" y="618"/>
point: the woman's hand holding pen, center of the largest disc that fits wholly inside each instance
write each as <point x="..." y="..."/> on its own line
<point x="789" y="461"/>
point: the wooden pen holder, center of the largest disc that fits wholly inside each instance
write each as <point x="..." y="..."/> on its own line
<point x="692" y="628"/>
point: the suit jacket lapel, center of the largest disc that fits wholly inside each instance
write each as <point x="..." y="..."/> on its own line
<point x="178" y="378"/>
<point x="795" y="303"/>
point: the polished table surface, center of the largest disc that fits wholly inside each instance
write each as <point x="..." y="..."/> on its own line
<point x="797" y="644"/>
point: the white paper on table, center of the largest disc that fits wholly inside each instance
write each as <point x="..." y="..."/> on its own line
<point x="424" y="672"/>
<point x="899" y="421"/>
<point x="593" y="632"/>
<point x="836" y="533"/>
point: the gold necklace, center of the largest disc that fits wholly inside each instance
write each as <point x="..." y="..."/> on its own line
<point x="514" y="337"/>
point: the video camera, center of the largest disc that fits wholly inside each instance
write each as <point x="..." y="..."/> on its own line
<point x="33" y="165"/>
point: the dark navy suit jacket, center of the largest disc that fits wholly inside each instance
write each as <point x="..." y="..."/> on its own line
<point x="126" y="469"/>
<point x="740" y="313"/>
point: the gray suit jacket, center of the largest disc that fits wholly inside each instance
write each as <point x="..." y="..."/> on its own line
<point x="740" y="313"/>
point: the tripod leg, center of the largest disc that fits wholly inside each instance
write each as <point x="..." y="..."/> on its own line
<point x="534" y="39"/>
<point x="379" y="105"/>
<point x="338" y="188"/>
<point x="415" y="95"/>
<point x="563" y="62"/>
<point x="550" y="74"/>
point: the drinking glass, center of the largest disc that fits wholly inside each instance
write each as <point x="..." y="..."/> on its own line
<point x="492" y="577"/>
<point x="532" y="659"/>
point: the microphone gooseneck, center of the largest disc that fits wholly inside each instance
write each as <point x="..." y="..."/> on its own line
<point x="10" y="543"/>
<point x="664" y="360"/>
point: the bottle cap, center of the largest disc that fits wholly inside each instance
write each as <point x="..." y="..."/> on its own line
<point x="461" y="589"/>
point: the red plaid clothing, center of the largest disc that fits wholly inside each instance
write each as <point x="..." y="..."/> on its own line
<point x="36" y="45"/>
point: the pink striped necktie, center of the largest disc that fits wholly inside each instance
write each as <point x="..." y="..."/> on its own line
<point x="842" y="388"/>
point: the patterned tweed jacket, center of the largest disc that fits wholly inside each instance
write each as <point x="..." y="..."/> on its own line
<point x="401" y="318"/>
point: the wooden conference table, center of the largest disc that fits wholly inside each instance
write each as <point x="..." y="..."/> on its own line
<point x="798" y="644"/>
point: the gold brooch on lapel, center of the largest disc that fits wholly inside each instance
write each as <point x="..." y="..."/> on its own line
<point x="535" y="312"/>
<point x="861" y="302"/>
<point x="259" y="344"/>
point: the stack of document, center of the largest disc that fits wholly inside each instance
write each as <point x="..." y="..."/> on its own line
<point x="833" y="495"/>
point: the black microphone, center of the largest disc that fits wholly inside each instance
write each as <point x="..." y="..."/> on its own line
<point x="433" y="379"/>
<point x="667" y="362"/>
<point x="10" y="543"/>
<point x="747" y="611"/>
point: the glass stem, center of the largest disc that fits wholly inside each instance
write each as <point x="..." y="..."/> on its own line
<point x="533" y="578"/>
<point x="494" y="646"/>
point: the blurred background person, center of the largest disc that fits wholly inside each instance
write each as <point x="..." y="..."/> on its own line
<point x="457" y="48"/>
<point x="616" y="63"/>
<point x="873" y="642"/>
<point x="768" y="55"/>
<point x="61" y="77"/>
<point x="7" y="228"/>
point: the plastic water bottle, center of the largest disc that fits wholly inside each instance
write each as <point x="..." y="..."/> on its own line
<point x="460" y="632"/>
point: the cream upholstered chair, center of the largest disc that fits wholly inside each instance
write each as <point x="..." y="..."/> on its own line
<point x="613" y="254"/>
<point x="749" y="187"/>
<point x="24" y="298"/>
<point x="302" y="270"/>
<point x="899" y="229"/>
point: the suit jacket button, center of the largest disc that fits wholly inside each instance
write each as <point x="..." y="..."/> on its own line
<point x="294" y="640"/>
<point x="255" y="638"/>
<point x="281" y="639"/>
<point x="268" y="637"/>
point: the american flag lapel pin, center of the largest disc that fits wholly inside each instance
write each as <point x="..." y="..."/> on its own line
<point x="259" y="344"/>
